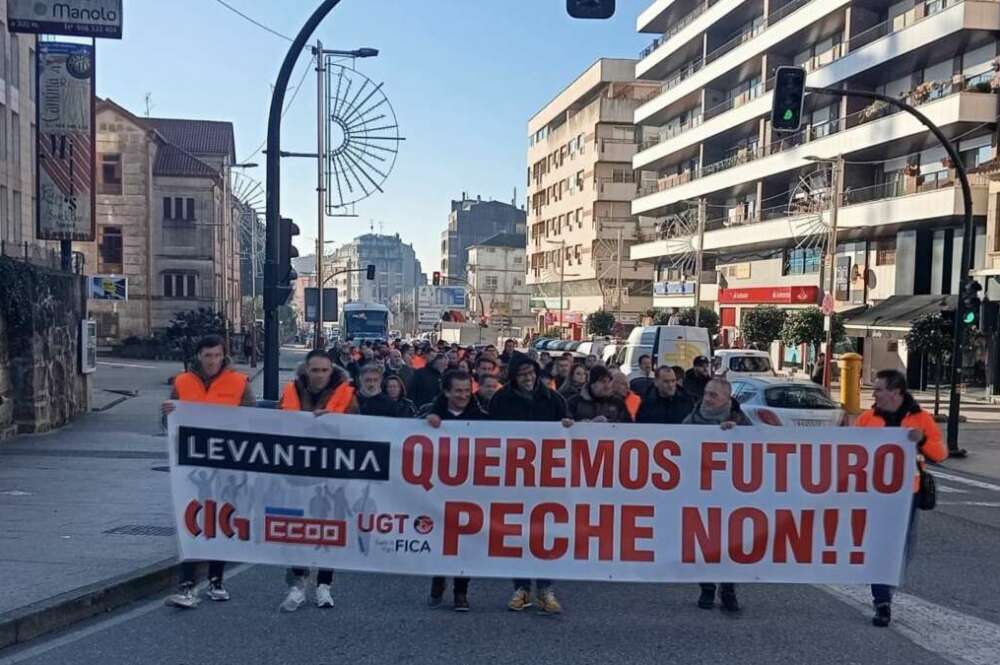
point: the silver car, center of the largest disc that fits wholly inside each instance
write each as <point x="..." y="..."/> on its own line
<point x="779" y="401"/>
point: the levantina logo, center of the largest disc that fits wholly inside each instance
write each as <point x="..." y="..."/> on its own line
<point x="207" y="518"/>
<point x="291" y="526"/>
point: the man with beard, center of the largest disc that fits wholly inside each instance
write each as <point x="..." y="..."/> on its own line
<point x="696" y="378"/>
<point x="371" y="399"/>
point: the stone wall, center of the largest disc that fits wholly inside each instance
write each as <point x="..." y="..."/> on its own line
<point x="41" y="386"/>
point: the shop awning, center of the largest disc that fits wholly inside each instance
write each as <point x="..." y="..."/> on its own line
<point x="897" y="313"/>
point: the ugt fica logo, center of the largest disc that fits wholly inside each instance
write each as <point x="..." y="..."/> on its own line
<point x="208" y="518"/>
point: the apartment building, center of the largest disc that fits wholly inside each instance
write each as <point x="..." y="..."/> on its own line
<point x="496" y="277"/>
<point x="580" y="187"/>
<point x="767" y="195"/>
<point x="472" y="221"/>
<point x="397" y="269"/>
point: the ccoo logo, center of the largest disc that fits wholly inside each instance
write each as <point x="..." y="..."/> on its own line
<point x="208" y="518"/>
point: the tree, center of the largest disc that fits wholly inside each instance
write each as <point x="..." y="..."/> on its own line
<point x="761" y="326"/>
<point x="805" y="326"/>
<point x="186" y="328"/>
<point x="600" y="323"/>
<point x="709" y="320"/>
<point x="931" y="336"/>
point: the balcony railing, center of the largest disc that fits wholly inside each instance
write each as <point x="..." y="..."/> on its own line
<point x="684" y="22"/>
<point x="922" y="94"/>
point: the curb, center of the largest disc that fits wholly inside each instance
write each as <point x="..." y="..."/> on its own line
<point x="34" y="620"/>
<point x="113" y="403"/>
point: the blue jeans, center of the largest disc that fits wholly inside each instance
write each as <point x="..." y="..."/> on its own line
<point x="540" y="585"/>
<point x="882" y="593"/>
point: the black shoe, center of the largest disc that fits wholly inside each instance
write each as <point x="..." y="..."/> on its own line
<point x="883" y="615"/>
<point x="729" y="602"/>
<point x="706" y="600"/>
<point x="437" y="593"/>
<point x="461" y="602"/>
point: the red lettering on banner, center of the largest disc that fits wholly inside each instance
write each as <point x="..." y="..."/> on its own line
<point x="500" y="529"/>
<point x="633" y="473"/>
<point x="603" y="531"/>
<point x="591" y="471"/>
<point x="758" y="535"/>
<point x="485" y="462"/>
<point x="889" y="457"/>
<point x="461" y="473"/>
<point x="672" y="474"/>
<point x="525" y="463"/>
<point x="740" y="481"/>
<point x="631" y="532"/>
<point x="810" y="483"/>
<point x="781" y="451"/>
<point x="426" y="453"/>
<point x="461" y="518"/>
<point x="695" y="535"/>
<point x="788" y="534"/>
<point x="536" y="541"/>
<point x="549" y="463"/>
<point x="851" y="462"/>
<point x="709" y="463"/>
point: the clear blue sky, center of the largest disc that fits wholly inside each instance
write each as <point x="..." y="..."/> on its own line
<point x="464" y="77"/>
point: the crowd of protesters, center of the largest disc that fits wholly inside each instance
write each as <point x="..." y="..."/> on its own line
<point x="442" y="381"/>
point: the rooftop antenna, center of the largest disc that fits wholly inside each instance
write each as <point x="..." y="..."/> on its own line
<point x="149" y="103"/>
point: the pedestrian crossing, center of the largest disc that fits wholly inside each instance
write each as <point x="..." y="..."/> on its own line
<point x="959" y="490"/>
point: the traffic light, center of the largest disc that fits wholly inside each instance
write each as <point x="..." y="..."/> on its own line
<point x="789" y="93"/>
<point x="436" y="278"/>
<point x="590" y="8"/>
<point x="370" y="271"/>
<point x="286" y="275"/>
<point x="971" y="302"/>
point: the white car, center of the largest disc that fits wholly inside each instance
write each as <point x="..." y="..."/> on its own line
<point x="739" y="363"/>
<point x="779" y="401"/>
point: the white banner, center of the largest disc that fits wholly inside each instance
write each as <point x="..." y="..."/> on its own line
<point x="502" y="499"/>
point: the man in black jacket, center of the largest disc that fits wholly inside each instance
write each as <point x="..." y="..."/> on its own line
<point x="371" y="398"/>
<point x="696" y="378"/>
<point x="595" y="402"/>
<point x="665" y="403"/>
<point x="454" y="403"/>
<point x="426" y="383"/>
<point x="526" y="398"/>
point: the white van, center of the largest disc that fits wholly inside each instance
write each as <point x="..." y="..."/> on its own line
<point x="668" y="345"/>
<point x="737" y="363"/>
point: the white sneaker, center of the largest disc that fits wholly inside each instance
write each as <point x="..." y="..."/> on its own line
<point x="323" y="597"/>
<point x="293" y="601"/>
<point x="184" y="599"/>
<point x="217" y="592"/>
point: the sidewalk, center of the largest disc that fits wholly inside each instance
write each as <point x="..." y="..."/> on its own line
<point x="90" y="503"/>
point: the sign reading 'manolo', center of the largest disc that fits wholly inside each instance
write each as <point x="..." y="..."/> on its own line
<point x="85" y="18"/>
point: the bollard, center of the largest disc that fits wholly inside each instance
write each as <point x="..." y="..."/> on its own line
<point x="850" y="382"/>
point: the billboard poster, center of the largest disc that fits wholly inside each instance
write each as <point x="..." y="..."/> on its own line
<point x="82" y="18"/>
<point x="65" y="121"/>
<point x="108" y="287"/>
<point x="329" y="304"/>
<point x="843" y="278"/>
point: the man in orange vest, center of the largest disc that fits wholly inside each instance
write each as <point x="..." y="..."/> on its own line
<point x="895" y="407"/>
<point x="209" y="380"/>
<point x="619" y="386"/>
<point x="320" y="388"/>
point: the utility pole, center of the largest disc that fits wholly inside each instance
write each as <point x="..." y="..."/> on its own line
<point x="320" y="186"/>
<point x="619" y="285"/>
<point x="253" y="290"/>
<point x="699" y="261"/>
<point x="226" y="217"/>
<point x="838" y="186"/>
<point x="562" y="282"/>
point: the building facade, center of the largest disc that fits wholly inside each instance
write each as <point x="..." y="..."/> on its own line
<point x="766" y="197"/>
<point x="17" y="141"/>
<point x="163" y="221"/>
<point x="472" y="221"/>
<point x="397" y="269"/>
<point x="496" y="277"/>
<point x="580" y="187"/>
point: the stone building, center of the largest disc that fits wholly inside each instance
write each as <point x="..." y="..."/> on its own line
<point x="162" y="221"/>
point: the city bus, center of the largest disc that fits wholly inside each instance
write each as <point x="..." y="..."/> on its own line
<point x="364" y="320"/>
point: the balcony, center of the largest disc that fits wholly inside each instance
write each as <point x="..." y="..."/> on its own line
<point x="617" y="188"/>
<point x="774" y="29"/>
<point x="842" y="62"/>
<point x="654" y="58"/>
<point x="653" y="18"/>
<point x="616" y="150"/>
<point x="963" y="100"/>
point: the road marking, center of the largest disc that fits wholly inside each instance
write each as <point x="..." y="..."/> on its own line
<point x="951" y="490"/>
<point x="77" y="635"/>
<point x="958" y="638"/>
<point x="965" y="481"/>
<point x="126" y="365"/>
<point x="982" y="504"/>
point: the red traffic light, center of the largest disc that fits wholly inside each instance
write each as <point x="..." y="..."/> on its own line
<point x="436" y="278"/>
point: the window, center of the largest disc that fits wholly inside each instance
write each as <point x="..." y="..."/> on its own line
<point x="16" y="202"/>
<point x="885" y="252"/>
<point x="492" y="282"/>
<point x="15" y="135"/>
<point x="31" y="75"/>
<point x="111" y="250"/>
<point x="517" y="281"/>
<point x="3" y="51"/>
<point x="168" y="207"/>
<point x="6" y="233"/>
<point x="189" y="214"/>
<point x="802" y="261"/>
<point x="179" y="285"/>
<point x="111" y="174"/>
<point x="15" y="61"/>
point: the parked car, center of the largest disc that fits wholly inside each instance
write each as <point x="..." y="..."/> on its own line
<point x="591" y="347"/>
<point x="539" y="344"/>
<point x="735" y="363"/>
<point x="779" y="401"/>
<point x="613" y="355"/>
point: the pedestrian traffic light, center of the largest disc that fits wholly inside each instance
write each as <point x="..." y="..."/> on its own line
<point x="590" y="8"/>
<point x="436" y="279"/>
<point x="971" y="302"/>
<point x="370" y="271"/>
<point x="286" y="275"/>
<point x="789" y="93"/>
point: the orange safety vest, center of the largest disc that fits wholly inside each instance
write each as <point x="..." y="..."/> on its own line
<point x="934" y="447"/>
<point x="226" y="389"/>
<point x="632" y="403"/>
<point x="418" y="363"/>
<point x="339" y="401"/>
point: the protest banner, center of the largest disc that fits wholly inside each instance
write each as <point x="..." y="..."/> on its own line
<point x="504" y="499"/>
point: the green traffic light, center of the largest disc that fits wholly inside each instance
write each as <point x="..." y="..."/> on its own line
<point x="788" y="114"/>
<point x="970" y="318"/>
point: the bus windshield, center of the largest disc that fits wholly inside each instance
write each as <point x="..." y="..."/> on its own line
<point x="367" y="323"/>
